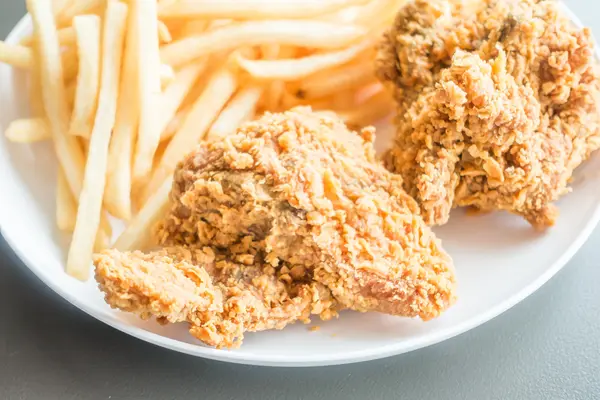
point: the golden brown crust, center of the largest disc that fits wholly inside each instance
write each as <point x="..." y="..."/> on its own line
<point x="502" y="112"/>
<point x="219" y="298"/>
<point x="289" y="218"/>
<point x="311" y="195"/>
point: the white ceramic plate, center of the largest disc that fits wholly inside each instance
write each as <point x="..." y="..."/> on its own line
<point x="500" y="260"/>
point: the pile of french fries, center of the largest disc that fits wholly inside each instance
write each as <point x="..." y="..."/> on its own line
<point x="125" y="88"/>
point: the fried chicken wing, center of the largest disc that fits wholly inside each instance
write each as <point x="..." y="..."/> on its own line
<point x="221" y="297"/>
<point x="312" y="194"/>
<point x="291" y="217"/>
<point x="498" y="103"/>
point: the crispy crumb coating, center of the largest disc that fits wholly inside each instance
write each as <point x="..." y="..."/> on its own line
<point x="311" y="195"/>
<point x="498" y="103"/>
<point x="220" y="298"/>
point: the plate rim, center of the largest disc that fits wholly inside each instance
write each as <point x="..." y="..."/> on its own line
<point x="311" y="360"/>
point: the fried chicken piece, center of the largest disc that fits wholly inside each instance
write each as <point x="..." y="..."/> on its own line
<point x="496" y="107"/>
<point x="221" y="297"/>
<point x="314" y="198"/>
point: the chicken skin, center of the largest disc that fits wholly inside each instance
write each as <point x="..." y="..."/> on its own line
<point x="219" y="298"/>
<point x="312" y="193"/>
<point x="310" y="222"/>
<point x="498" y="103"/>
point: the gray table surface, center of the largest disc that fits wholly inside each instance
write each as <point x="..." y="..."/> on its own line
<point x="547" y="347"/>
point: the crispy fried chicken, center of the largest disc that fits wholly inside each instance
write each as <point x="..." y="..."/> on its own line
<point x="218" y="297"/>
<point x="295" y="201"/>
<point x="498" y="103"/>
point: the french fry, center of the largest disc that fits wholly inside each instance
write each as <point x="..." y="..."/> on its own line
<point x="66" y="207"/>
<point x="275" y="88"/>
<point x="370" y="111"/>
<point x="20" y="56"/>
<point x="66" y="37"/>
<point x="28" y="130"/>
<point x="59" y="5"/>
<point x="167" y="74"/>
<point x="70" y="64"/>
<point x="218" y="91"/>
<point x="103" y="239"/>
<point x="240" y="109"/>
<point x="253" y="9"/>
<point x="164" y="35"/>
<point x="317" y="34"/>
<point x="117" y="196"/>
<point x="139" y="231"/>
<point x="375" y="14"/>
<point x="174" y="125"/>
<point x="65" y="16"/>
<point x="70" y="92"/>
<point x="86" y="93"/>
<point x="176" y="92"/>
<point x="293" y="69"/>
<point x="149" y="89"/>
<point x="193" y="27"/>
<point x="36" y="103"/>
<point x="67" y="148"/>
<point x="329" y="81"/>
<point x="16" y="55"/>
<point x="90" y="199"/>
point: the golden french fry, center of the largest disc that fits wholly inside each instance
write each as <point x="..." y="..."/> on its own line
<point x="103" y="239"/>
<point x="240" y="109"/>
<point x="59" y="5"/>
<point x="20" y="56"/>
<point x="253" y="9"/>
<point x="167" y="74"/>
<point x="174" y="125"/>
<point x="316" y="34"/>
<point x="92" y="193"/>
<point x="292" y="69"/>
<point x="23" y="57"/>
<point x="193" y="27"/>
<point x="70" y="92"/>
<point x="176" y="92"/>
<point x="65" y="16"/>
<point x="66" y="207"/>
<point x="86" y="94"/>
<point x="372" y="110"/>
<point x="28" y="130"/>
<point x="16" y="55"/>
<point x="376" y="14"/>
<point x="139" y="231"/>
<point x="67" y="148"/>
<point x="275" y="88"/>
<point x="117" y="196"/>
<point x="36" y="103"/>
<point x="149" y="88"/>
<point x="329" y="82"/>
<point x="70" y="64"/>
<point x="66" y="37"/>
<point x="164" y="35"/>
<point x="217" y="92"/>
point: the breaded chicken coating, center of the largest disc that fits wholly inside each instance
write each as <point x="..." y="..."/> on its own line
<point x="498" y="103"/>
<point x="291" y="217"/>
<point x="313" y="195"/>
<point x="221" y="297"/>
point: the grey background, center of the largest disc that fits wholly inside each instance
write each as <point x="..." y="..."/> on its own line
<point x="547" y="347"/>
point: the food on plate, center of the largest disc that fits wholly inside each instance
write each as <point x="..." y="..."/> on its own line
<point x="183" y="72"/>
<point x="234" y="225"/>
<point x="220" y="296"/>
<point x="91" y="196"/>
<point x="296" y="200"/>
<point x="498" y="103"/>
